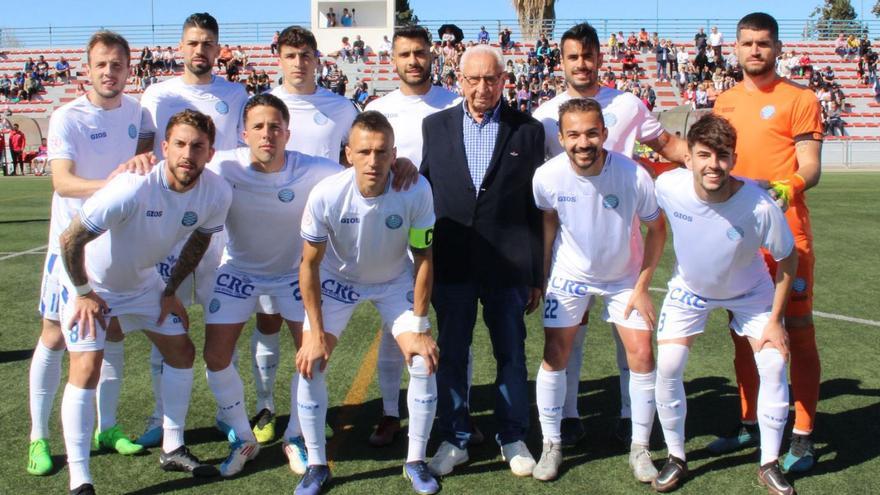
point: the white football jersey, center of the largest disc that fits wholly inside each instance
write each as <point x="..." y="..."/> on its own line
<point x="220" y="99"/>
<point x="599" y="239"/>
<point x="143" y="220"/>
<point x="717" y="244"/>
<point x="267" y="208"/>
<point x="626" y="117"/>
<point x="96" y="140"/>
<point x="368" y="238"/>
<point x="406" y="113"/>
<point x="319" y="122"/>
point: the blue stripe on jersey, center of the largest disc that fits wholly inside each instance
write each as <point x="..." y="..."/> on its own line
<point x="214" y="230"/>
<point x="313" y="238"/>
<point x="91" y="227"/>
<point x="652" y="216"/>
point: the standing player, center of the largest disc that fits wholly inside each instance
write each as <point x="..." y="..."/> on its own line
<point x="143" y="218"/>
<point x="627" y="120"/>
<point x="197" y="89"/>
<point x="405" y="108"/>
<point x="780" y="141"/>
<point x="270" y="184"/>
<point x="88" y="139"/>
<point x="593" y="202"/>
<point x="357" y="230"/>
<point x="319" y="120"/>
<point x="719" y="225"/>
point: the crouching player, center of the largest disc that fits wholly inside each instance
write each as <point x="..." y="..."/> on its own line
<point x="719" y="224"/>
<point x="143" y="218"/>
<point x="356" y="230"/>
<point x="593" y="202"/>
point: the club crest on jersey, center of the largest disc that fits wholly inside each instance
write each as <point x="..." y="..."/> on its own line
<point x="768" y="112"/>
<point x="214" y="306"/>
<point x="799" y="285"/>
<point x="285" y="195"/>
<point x="132" y="131"/>
<point x="735" y="233"/>
<point x="393" y="221"/>
<point x="222" y="107"/>
<point x="610" y="202"/>
<point x="610" y="119"/>
<point x="320" y="118"/>
<point x="189" y="219"/>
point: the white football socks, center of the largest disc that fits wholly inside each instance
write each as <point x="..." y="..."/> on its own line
<point x="623" y="369"/>
<point x="293" y="429"/>
<point x="44" y="379"/>
<point x="670" y="396"/>
<point x="573" y="374"/>
<point x="156" y="361"/>
<point x="312" y="403"/>
<point x="390" y="368"/>
<point x="110" y="384"/>
<point x="176" y="390"/>
<point x="265" y="351"/>
<point x="772" y="401"/>
<point x="550" y="395"/>
<point x="78" y="422"/>
<point x="229" y="392"/>
<point x="421" y="401"/>
<point x="641" y="391"/>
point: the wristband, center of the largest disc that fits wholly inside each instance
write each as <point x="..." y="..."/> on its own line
<point x="798" y="184"/>
<point x="83" y="289"/>
<point x="421" y="238"/>
<point x="412" y="323"/>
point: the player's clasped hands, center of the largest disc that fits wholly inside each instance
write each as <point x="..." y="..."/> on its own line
<point x="420" y="344"/>
<point x="315" y="348"/>
<point x="89" y="310"/>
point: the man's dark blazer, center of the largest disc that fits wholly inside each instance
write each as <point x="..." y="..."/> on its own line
<point x="493" y="238"/>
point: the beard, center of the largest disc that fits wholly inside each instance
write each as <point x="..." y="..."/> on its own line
<point x="420" y="79"/>
<point x="767" y="66"/>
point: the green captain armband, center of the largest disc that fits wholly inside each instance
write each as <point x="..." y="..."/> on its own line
<point x="421" y="238"/>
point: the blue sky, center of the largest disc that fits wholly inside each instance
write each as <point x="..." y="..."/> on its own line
<point x="116" y="12"/>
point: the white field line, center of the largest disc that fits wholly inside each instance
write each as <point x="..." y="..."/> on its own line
<point x="830" y="316"/>
<point x="35" y="250"/>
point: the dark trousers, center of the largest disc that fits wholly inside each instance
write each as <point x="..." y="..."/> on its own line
<point x="503" y="308"/>
<point x="17" y="163"/>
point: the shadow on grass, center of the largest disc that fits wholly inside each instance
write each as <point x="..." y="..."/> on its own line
<point x="26" y="220"/>
<point x="16" y="355"/>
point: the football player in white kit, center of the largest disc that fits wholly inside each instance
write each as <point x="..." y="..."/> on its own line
<point x="357" y="230"/>
<point x="628" y="120"/>
<point x="269" y="184"/>
<point x="197" y="89"/>
<point x="143" y="217"/>
<point x="88" y="140"/>
<point x="594" y="202"/>
<point x="719" y="225"/>
<point x="405" y="108"/>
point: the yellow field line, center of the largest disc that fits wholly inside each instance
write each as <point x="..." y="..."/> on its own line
<point x="357" y="393"/>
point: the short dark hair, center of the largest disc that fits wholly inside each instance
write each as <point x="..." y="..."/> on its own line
<point x="373" y="121"/>
<point x="713" y="131"/>
<point x="267" y="100"/>
<point x="192" y="118"/>
<point x="759" y="21"/>
<point x="108" y="38"/>
<point x="294" y="36"/>
<point x="584" y="34"/>
<point x="580" y="105"/>
<point x="412" y="32"/>
<point x="202" y="20"/>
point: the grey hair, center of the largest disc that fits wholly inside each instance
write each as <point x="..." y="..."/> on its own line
<point x="484" y="49"/>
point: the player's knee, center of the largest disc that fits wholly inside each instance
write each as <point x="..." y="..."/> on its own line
<point x="216" y="358"/>
<point x="85" y="369"/>
<point x="418" y="368"/>
<point x="556" y="354"/>
<point x="51" y="336"/>
<point x="641" y="358"/>
<point x="184" y="355"/>
<point x="771" y="364"/>
<point x="671" y="361"/>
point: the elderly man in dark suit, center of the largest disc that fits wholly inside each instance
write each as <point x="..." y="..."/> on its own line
<point x="480" y="158"/>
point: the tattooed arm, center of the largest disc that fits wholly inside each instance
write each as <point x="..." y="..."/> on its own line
<point x="88" y="306"/>
<point x="189" y="258"/>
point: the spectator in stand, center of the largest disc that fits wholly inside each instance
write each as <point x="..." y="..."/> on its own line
<point x="346" y="20"/>
<point x="613" y="47"/>
<point x="716" y="41"/>
<point x="718" y="79"/>
<point x="250" y="84"/>
<point x="547" y="93"/>
<point x="168" y="61"/>
<point x="32" y="86"/>
<point x="274" y="46"/>
<point x="361" y="94"/>
<point x="224" y="58"/>
<point x="682" y="57"/>
<point x="827" y="75"/>
<point x="632" y="42"/>
<point x="805" y="64"/>
<point x="359" y="49"/>
<point x="146" y="58"/>
<point x="264" y="83"/>
<point x="239" y="56"/>
<point x="644" y="41"/>
<point x="384" y="50"/>
<point x="29" y="65"/>
<point x="346" y="52"/>
<point x="661" y="52"/>
<point x="711" y="95"/>
<point x="483" y="36"/>
<point x="62" y="70"/>
<point x="701" y="62"/>
<point x="852" y="45"/>
<point x="630" y="65"/>
<point x="650" y="97"/>
<point x="864" y="44"/>
<point x="5" y="86"/>
<point x="505" y="39"/>
<point x="42" y="69"/>
<point x="701" y="40"/>
<point x="834" y="122"/>
<point x="672" y="59"/>
<point x="17" y="143"/>
<point x="701" y="97"/>
<point x="840" y="46"/>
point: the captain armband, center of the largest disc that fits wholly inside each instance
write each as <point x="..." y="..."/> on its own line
<point x="421" y="238"/>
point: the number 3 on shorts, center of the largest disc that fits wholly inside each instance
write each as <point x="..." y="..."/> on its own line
<point x="550" y="307"/>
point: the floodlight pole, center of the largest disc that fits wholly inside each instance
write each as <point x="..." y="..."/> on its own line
<point x="152" y="23"/>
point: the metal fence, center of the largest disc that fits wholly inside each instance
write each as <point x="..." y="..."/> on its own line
<point x="261" y="32"/>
